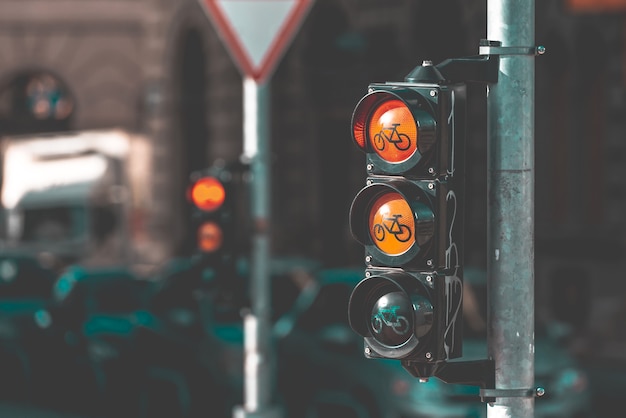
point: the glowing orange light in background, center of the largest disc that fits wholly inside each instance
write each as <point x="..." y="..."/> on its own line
<point x="208" y="194"/>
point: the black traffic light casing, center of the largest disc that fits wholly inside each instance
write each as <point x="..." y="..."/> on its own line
<point x="409" y="218"/>
<point x="220" y="203"/>
<point x="431" y="315"/>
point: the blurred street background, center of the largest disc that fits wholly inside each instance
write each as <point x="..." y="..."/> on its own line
<point x="111" y="109"/>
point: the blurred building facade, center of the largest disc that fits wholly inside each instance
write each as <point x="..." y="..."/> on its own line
<point x="159" y="67"/>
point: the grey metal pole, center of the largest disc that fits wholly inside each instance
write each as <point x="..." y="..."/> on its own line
<point x="258" y="356"/>
<point x="510" y="229"/>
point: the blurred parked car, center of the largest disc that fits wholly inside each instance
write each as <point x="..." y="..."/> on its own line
<point x="61" y="373"/>
<point x="199" y="337"/>
<point x="25" y="288"/>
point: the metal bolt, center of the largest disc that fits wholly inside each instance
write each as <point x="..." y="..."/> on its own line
<point x="429" y="279"/>
<point x="540" y="391"/>
<point x="368" y="182"/>
<point x="431" y="170"/>
<point x="429" y="355"/>
<point x="370" y="167"/>
<point x="367" y="351"/>
<point x="368" y="258"/>
<point x="423" y="380"/>
<point x="433" y="93"/>
<point x="429" y="263"/>
<point x="431" y="186"/>
<point x="541" y="50"/>
<point x="368" y="274"/>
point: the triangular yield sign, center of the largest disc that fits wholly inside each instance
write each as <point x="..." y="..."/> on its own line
<point x="257" y="32"/>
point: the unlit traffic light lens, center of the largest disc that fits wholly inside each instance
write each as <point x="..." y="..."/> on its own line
<point x="208" y="194"/>
<point x="391" y="320"/>
<point x="391" y="224"/>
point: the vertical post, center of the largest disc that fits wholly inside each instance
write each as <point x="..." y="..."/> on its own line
<point x="510" y="229"/>
<point x="258" y="361"/>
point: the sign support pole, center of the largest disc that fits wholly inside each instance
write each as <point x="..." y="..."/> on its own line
<point x="510" y="226"/>
<point x="258" y="361"/>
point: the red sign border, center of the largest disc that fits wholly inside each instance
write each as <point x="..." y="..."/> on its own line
<point x="234" y="46"/>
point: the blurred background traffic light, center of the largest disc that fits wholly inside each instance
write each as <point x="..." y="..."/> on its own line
<point x="219" y="203"/>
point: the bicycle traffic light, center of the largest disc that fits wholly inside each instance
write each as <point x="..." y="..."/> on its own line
<point x="409" y="219"/>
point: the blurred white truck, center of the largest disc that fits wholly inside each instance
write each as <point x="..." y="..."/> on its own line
<point x="78" y="196"/>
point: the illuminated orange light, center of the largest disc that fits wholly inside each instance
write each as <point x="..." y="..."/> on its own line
<point x="358" y="131"/>
<point x="208" y="194"/>
<point x="393" y="132"/>
<point x="391" y="224"/>
<point x="210" y="237"/>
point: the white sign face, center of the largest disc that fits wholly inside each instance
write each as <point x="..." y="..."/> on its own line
<point x="257" y="32"/>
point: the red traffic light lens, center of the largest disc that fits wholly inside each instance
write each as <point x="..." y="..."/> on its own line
<point x="384" y="123"/>
<point x="208" y="194"/>
<point x="391" y="224"/>
<point x="392" y="131"/>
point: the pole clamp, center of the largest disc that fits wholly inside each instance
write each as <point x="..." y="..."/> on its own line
<point x="513" y="393"/>
<point x="487" y="47"/>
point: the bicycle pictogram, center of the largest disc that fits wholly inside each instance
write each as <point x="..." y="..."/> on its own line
<point x="390" y="134"/>
<point x="392" y="225"/>
<point x="389" y="317"/>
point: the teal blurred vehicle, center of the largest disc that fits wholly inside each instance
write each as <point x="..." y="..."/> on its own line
<point x="26" y="282"/>
<point x="65" y="340"/>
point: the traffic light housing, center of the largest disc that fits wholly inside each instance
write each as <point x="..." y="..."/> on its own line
<point x="409" y="218"/>
<point x="220" y="223"/>
<point x="208" y="195"/>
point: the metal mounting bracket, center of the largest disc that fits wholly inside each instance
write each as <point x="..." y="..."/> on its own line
<point x="480" y="373"/>
<point x="487" y="47"/>
<point x="512" y="393"/>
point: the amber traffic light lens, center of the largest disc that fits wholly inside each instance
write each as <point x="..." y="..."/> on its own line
<point x="393" y="132"/>
<point x="391" y="224"/>
<point x="208" y="194"/>
<point x="210" y="237"/>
